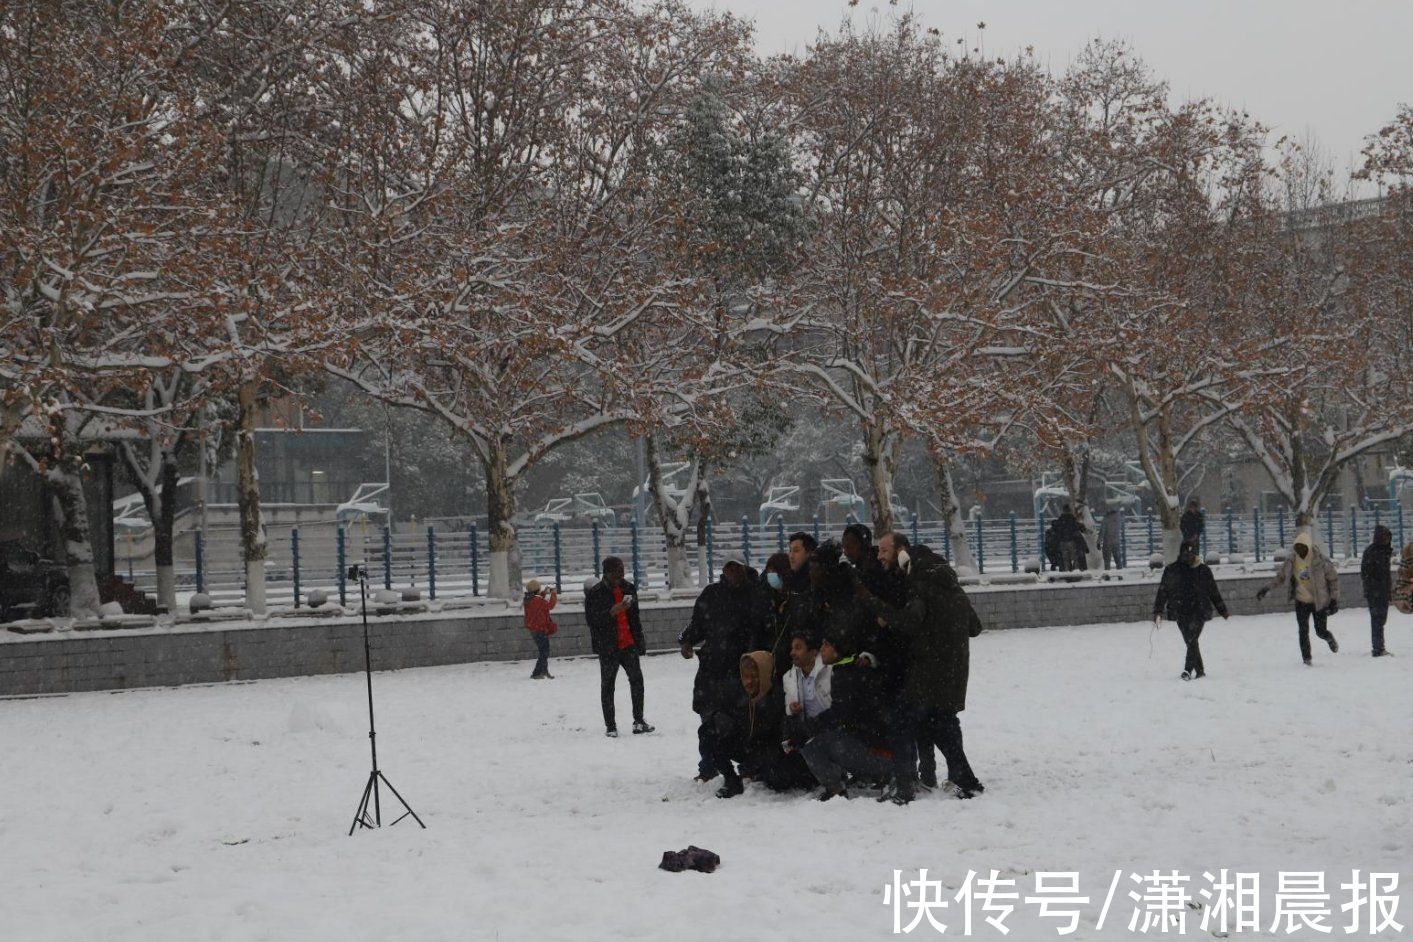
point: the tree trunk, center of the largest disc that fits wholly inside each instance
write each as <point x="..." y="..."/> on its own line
<point x="881" y="459"/>
<point x="1161" y="471"/>
<point x="505" y="544"/>
<point x="1077" y="484"/>
<point x="65" y="478"/>
<point x="952" y="516"/>
<point x="252" y="530"/>
<point x="672" y="515"/>
<point x="703" y="516"/>
<point x="164" y="523"/>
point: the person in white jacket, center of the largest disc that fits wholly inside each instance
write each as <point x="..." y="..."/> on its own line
<point x="806" y="689"/>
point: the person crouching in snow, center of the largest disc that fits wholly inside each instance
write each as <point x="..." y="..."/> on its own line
<point x="1312" y="583"/>
<point x="1188" y="595"/>
<point x="539" y="601"/>
<point x="748" y="730"/>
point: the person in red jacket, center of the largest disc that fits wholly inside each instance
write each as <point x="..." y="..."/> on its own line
<point x="539" y="601"/>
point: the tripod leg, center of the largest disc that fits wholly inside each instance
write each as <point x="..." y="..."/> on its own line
<point x="361" y="815"/>
<point x="403" y="800"/>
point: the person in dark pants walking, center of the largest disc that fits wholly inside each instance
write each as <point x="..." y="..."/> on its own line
<point x="1312" y="583"/>
<point x="1188" y="595"/>
<point x="1192" y="523"/>
<point x="539" y="602"/>
<point x="616" y="633"/>
<point x="1376" y="574"/>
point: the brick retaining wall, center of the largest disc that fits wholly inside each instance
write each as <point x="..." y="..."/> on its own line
<point x="189" y="654"/>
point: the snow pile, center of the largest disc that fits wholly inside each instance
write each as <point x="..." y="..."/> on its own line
<point x="220" y="812"/>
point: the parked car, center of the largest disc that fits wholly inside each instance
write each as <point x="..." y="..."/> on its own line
<point x="31" y="584"/>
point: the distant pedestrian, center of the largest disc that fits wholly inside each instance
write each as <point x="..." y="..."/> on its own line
<point x="616" y="633"/>
<point x="1193" y="523"/>
<point x="1403" y="591"/>
<point x="1071" y="536"/>
<point x="1188" y="595"/>
<point x="1111" y="536"/>
<point x="1312" y="583"/>
<point x="539" y="602"/>
<point x="1376" y="574"/>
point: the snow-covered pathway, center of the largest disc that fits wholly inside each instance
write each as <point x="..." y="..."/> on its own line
<point x="220" y="812"/>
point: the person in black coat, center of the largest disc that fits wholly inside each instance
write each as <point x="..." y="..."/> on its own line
<point x="1192" y="523"/>
<point x="731" y="617"/>
<point x="1376" y="574"/>
<point x="616" y="634"/>
<point x="1188" y="594"/>
<point x="1070" y="533"/>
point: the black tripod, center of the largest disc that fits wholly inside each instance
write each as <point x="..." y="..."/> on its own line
<point x="361" y="817"/>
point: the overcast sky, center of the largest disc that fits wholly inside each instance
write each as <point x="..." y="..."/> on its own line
<point x="1339" y="69"/>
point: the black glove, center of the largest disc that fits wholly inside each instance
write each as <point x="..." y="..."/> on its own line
<point x="1334" y="607"/>
<point x="1261" y="592"/>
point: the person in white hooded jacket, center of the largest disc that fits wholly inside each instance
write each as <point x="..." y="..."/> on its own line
<point x="1312" y="583"/>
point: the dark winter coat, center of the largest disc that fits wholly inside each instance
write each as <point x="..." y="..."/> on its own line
<point x="603" y="626"/>
<point x="789" y="612"/>
<point x="1112" y="532"/>
<point x="937" y="620"/>
<point x="855" y="701"/>
<point x="1068" y="528"/>
<point x="1376" y="569"/>
<point x="1188" y="593"/>
<point x="1192" y="525"/>
<point x="726" y="623"/>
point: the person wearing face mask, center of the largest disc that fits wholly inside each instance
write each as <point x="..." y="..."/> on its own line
<point x="1188" y="595"/>
<point x="789" y="611"/>
<point x="1312" y="583"/>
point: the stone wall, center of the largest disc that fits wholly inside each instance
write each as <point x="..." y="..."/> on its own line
<point x="166" y="656"/>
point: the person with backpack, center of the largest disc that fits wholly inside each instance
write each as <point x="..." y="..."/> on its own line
<point x="538" y="603"/>
<point x="1188" y="595"/>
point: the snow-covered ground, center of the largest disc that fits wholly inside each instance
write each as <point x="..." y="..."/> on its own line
<point x="221" y="812"/>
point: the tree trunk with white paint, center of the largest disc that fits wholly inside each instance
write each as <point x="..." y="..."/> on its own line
<point x="881" y="446"/>
<point x="65" y="479"/>
<point x="505" y="575"/>
<point x="962" y="557"/>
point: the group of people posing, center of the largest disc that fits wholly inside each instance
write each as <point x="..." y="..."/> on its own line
<point x="843" y="664"/>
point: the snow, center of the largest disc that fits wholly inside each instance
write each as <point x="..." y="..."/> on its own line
<point x="220" y="812"/>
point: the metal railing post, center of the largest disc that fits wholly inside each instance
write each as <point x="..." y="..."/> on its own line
<point x="1231" y="532"/>
<point x="916" y="538"/>
<point x="475" y="562"/>
<point x="1353" y="532"/>
<point x="294" y="560"/>
<point x="711" y="551"/>
<point x="816" y="528"/>
<point x="980" y="548"/>
<point x="637" y="566"/>
<point x="1256" y="529"/>
<point x="1015" y="551"/>
<point x="1329" y="530"/>
<point x="1150" y="533"/>
<point x="598" y="552"/>
<point x="780" y="532"/>
<point x="558" y="560"/>
<point x="746" y="539"/>
<point x="1280" y="527"/>
<point x="201" y="561"/>
<point x="387" y="557"/>
<point x="341" y="551"/>
<point x="431" y="563"/>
